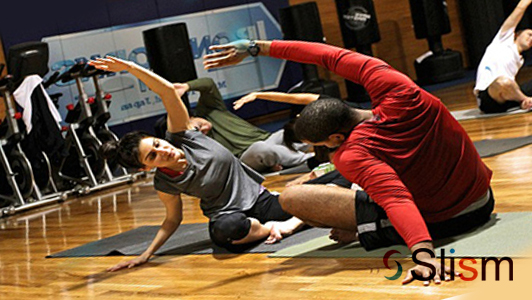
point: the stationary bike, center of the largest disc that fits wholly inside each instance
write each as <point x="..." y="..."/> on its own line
<point x="42" y="140"/>
<point x="100" y="110"/>
<point x="87" y="125"/>
<point x="83" y="164"/>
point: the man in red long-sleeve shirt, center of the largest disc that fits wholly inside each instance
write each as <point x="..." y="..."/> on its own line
<point x="420" y="169"/>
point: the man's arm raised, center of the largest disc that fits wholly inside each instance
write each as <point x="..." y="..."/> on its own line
<point x="375" y="75"/>
<point x="515" y="17"/>
<point x="232" y="53"/>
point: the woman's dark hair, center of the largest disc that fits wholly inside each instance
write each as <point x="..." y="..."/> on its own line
<point x="126" y="151"/>
<point x="289" y="135"/>
<point x="321" y="154"/>
<point x="290" y="138"/>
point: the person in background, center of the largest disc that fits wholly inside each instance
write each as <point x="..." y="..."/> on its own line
<point x="496" y="89"/>
<point x="261" y="150"/>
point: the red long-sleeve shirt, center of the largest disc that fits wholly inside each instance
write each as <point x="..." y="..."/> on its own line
<point x="413" y="158"/>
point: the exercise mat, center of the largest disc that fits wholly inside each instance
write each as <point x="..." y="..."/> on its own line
<point x="188" y="239"/>
<point x="505" y="235"/>
<point x="302" y="168"/>
<point x="487" y="148"/>
<point x="475" y="113"/>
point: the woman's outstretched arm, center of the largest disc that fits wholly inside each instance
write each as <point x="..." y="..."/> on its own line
<point x="297" y="98"/>
<point x="174" y="216"/>
<point x="178" y="118"/>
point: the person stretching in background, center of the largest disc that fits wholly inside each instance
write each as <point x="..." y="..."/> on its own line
<point x="261" y="150"/>
<point x="496" y="89"/>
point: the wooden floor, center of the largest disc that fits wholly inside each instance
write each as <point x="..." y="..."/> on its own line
<point x="25" y="240"/>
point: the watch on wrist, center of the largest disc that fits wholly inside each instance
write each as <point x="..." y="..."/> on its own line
<point x="253" y="48"/>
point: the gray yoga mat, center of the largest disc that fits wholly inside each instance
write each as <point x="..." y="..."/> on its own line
<point x="189" y="239"/>
<point x="487" y="148"/>
<point x="506" y="234"/>
<point x="475" y="113"/>
<point x="302" y="168"/>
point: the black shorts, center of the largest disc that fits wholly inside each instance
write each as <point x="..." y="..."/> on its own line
<point x="228" y="227"/>
<point x="490" y="106"/>
<point x="334" y="178"/>
<point x="267" y="208"/>
<point x="376" y="231"/>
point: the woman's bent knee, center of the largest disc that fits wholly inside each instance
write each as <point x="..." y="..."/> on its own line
<point x="228" y="228"/>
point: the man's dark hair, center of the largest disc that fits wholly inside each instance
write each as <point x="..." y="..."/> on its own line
<point x="321" y="118"/>
<point x="126" y="151"/>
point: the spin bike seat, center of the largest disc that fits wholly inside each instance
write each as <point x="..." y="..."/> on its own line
<point x="6" y="83"/>
<point x="51" y="80"/>
<point x="90" y="71"/>
<point x="72" y="73"/>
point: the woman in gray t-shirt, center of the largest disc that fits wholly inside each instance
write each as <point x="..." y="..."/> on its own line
<point x="240" y="210"/>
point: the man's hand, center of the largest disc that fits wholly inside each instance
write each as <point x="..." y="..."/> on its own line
<point x="246" y="99"/>
<point x="227" y="55"/>
<point x="111" y="64"/>
<point x="526" y="104"/>
<point x="181" y="88"/>
<point x="426" y="272"/>
<point x="201" y="124"/>
<point x="425" y="257"/>
<point x="137" y="261"/>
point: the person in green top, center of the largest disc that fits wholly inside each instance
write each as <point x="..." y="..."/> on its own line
<point x="261" y="150"/>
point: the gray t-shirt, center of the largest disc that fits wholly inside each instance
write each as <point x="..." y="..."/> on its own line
<point x="213" y="174"/>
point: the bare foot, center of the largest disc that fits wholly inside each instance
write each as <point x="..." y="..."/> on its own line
<point x="276" y="168"/>
<point x="279" y="229"/>
<point x="343" y="236"/>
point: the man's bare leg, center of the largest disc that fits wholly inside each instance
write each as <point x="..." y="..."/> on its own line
<point x="319" y="204"/>
<point x="505" y="89"/>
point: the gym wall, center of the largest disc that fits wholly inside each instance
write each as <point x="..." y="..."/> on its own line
<point x="78" y="31"/>
<point x="398" y="46"/>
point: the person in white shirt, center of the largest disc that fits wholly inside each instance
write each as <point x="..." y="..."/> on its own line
<point x="496" y="89"/>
